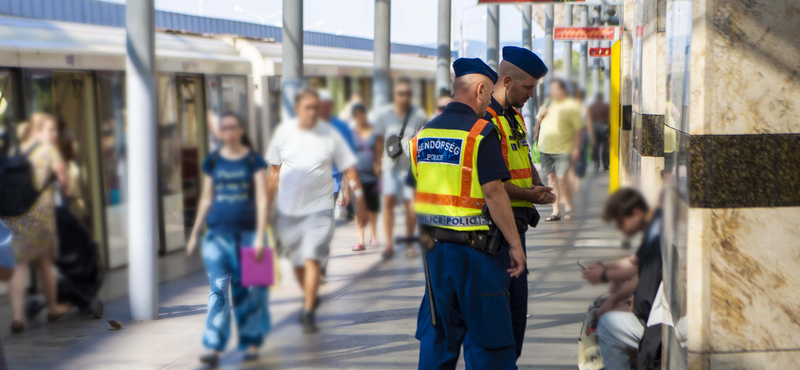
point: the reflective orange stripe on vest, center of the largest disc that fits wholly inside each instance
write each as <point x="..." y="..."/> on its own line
<point x="467" y="165"/>
<point x="515" y="174"/>
<point x="503" y="137"/>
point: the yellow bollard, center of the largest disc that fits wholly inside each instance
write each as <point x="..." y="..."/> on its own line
<point x="614" y="120"/>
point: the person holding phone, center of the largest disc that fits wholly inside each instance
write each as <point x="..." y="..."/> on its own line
<point x="233" y="206"/>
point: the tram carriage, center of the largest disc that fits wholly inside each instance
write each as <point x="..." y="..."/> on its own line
<point x="75" y="72"/>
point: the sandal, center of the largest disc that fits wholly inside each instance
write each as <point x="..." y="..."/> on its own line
<point x="553" y="218"/>
<point x="411" y="252"/>
<point x="568" y="215"/>
<point x="359" y="248"/>
<point x="374" y="243"/>
<point x="389" y="253"/>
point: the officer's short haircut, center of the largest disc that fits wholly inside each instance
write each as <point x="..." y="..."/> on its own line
<point x="305" y="92"/>
<point x="622" y="204"/>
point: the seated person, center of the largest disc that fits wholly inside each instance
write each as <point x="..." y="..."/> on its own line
<point x="622" y="328"/>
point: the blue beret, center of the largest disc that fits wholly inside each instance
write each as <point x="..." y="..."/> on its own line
<point x="526" y="60"/>
<point x="466" y="66"/>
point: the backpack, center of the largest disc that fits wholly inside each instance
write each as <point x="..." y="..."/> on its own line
<point x="18" y="193"/>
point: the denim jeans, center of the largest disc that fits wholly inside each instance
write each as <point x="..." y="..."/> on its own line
<point x="618" y="333"/>
<point x="221" y="258"/>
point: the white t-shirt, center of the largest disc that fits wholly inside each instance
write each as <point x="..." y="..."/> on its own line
<point x="306" y="157"/>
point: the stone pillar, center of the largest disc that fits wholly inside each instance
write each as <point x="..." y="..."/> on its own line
<point x="493" y="36"/>
<point x="568" y="45"/>
<point x="626" y="99"/>
<point x="648" y="111"/>
<point x="732" y="266"/>
<point x="443" y="48"/>
<point x="292" y="54"/>
<point x="549" y="11"/>
<point x="381" y="80"/>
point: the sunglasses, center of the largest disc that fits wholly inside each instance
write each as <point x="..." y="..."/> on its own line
<point x="229" y="128"/>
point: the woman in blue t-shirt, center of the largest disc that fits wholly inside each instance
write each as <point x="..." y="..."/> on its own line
<point x="234" y="207"/>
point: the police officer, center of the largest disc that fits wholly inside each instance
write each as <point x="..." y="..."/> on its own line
<point x="457" y="169"/>
<point x="519" y="73"/>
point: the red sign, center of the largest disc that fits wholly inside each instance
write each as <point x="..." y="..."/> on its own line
<point x="585" y="33"/>
<point x="599" y="52"/>
<point x="527" y="1"/>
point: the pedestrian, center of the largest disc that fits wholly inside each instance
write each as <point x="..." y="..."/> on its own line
<point x="621" y="326"/>
<point x="445" y="97"/>
<point x="326" y="114"/>
<point x="519" y="73"/>
<point x="559" y="133"/>
<point x="233" y="206"/>
<point x="6" y="270"/>
<point x="598" y="120"/>
<point x="35" y="237"/>
<point x="457" y="167"/>
<point x="301" y="155"/>
<point x="365" y="166"/>
<point x="399" y="123"/>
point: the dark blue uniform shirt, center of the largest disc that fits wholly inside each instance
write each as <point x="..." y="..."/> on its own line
<point x="490" y="165"/>
<point x="524" y="214"/>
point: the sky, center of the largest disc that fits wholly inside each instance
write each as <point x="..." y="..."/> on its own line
<point x="413" y="21"/>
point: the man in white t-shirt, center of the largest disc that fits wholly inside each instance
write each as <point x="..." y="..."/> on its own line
<point x="301" y="155"/>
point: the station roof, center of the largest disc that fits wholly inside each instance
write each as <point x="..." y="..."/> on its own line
<point x="113" y="15"/>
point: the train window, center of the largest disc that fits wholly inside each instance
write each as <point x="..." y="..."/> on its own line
<point x="225" y="94"/>
<point x="8" y="103"/>
<point x="38" y="88"/>
<point x="111" y="118"/>
<point x="170" y="181"/>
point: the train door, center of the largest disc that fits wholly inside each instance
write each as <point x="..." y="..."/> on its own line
<point x="181" y="113"/>
<point x="70" y="98"/>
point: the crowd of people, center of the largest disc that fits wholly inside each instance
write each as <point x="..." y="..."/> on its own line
<point x="462" y="177"/>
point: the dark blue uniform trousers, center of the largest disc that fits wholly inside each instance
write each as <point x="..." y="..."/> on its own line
<point x="470" y="288"/>
<point x="519" y="303"/>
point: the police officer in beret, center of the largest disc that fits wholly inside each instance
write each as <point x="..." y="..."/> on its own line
<point x="458" y="170"/>
<point x="519" y="73"/>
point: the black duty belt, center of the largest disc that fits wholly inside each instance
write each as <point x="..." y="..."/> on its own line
<point x="474" y="239"/>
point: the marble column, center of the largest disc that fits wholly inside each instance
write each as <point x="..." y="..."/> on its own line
<point x="732" y="208"/>
<point x="626" y="92"/>
<point x="650" y="95"/>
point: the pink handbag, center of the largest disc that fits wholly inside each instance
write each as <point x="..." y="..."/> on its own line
<point x="255" y="273"/>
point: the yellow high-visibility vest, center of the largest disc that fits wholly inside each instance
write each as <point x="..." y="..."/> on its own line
<point x="516" y="153"/>
<point x="449" y="194"/>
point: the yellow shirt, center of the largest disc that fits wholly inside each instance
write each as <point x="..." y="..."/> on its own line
<point x="557" y="131"/>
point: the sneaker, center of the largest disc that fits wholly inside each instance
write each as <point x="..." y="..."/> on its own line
<point x="309" y="323"/>
<point x="211" y="359"/>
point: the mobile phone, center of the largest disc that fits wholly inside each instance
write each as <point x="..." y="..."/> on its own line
<point x="581" y="265"/>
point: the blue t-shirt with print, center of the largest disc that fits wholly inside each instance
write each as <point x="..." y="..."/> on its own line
<point x="233" y="207"/>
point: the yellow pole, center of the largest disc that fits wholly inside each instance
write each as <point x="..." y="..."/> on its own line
<point x="614" y="120"/>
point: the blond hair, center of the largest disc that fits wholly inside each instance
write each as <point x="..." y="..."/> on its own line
<point x="26" y="130"/>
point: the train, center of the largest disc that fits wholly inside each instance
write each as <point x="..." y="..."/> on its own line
<point x="76" y="72"/>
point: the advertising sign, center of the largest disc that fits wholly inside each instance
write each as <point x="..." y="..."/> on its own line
<point x="585" y="33"/>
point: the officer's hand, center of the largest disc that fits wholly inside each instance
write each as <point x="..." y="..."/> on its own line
<point x="542" y="195"/>
<point x="518" y="261"/>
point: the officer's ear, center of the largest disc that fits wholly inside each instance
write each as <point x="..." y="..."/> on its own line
<point x="507" y="81"/>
